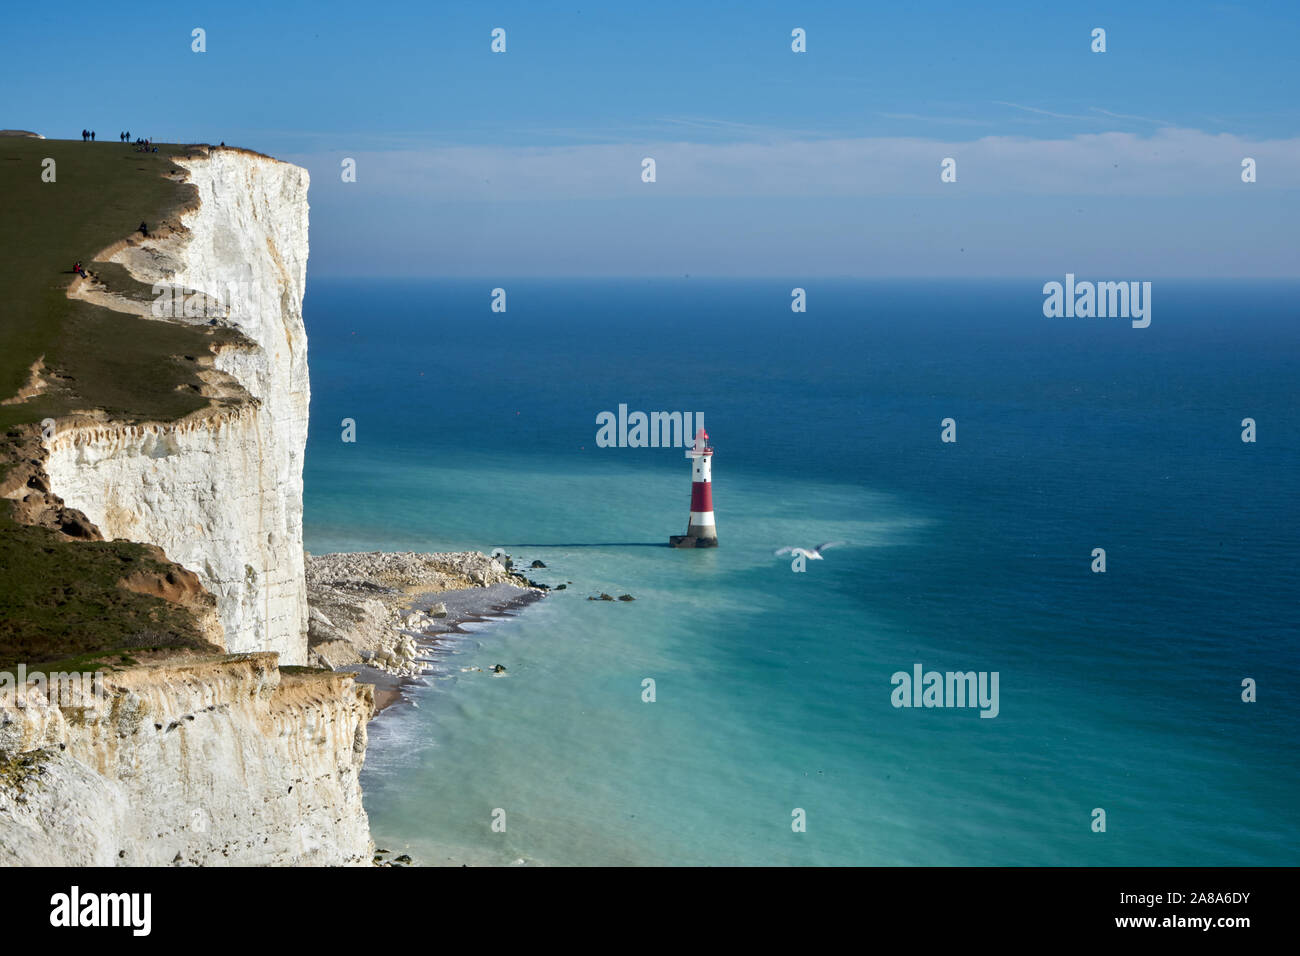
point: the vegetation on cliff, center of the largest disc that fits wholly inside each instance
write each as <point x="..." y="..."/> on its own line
<point x="61" y="591"/>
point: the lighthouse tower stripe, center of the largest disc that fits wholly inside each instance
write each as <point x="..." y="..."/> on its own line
<point x="702" y="497"/>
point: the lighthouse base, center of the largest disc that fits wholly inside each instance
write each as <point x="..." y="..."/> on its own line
<point x="691" y="541"/>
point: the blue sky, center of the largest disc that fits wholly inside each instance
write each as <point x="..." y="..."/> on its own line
<point x="769" y="162"/>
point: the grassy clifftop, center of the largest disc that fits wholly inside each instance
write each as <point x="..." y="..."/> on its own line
<point x="128" y="366"/>
<point x="62" y="598"/>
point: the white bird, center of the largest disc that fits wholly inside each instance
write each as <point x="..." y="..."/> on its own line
<point x="812" y="555"/>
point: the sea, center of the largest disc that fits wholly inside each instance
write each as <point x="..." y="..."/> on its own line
<point x="741" y="711"/>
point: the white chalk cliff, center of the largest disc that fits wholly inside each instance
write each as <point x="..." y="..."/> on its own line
<point x="226" y="762"/>
<point x="203" y="761"/>
<point x="220" y="493"/>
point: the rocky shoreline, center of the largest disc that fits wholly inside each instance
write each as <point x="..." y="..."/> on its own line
<point x="384" y="614"/>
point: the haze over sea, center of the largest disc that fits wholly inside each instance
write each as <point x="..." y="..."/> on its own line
<point x="1119" y="691"/>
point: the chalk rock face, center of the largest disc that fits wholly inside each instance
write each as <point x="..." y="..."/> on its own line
<point x="226" y="762"/>
<point x="221" y="492"/>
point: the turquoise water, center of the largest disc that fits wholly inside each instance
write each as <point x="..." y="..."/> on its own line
<point x="1118" y="690"/>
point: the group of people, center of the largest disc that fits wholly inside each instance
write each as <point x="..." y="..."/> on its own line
<point x="141" y="145"/>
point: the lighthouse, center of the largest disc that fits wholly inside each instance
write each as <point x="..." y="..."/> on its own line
<point x="700" y="530"/>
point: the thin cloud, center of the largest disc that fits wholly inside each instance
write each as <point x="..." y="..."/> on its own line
<point x="1144" y="119"/>
<point x="954" y="120"/>
<point x="706" y="123"/>
<point x="732" y="127"/>
<point x="1035" y="109"/>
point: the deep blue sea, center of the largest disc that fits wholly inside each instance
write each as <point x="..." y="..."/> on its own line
<point x="1120" y="691"/>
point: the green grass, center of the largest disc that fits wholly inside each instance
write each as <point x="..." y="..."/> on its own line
<point x="123" y="364"/>
<point x="59" y="599"/>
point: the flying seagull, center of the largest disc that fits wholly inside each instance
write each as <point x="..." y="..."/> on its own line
<point x="812" y="555"/>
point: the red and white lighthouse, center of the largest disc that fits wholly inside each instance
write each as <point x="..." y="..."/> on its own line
<point x="700" y="529"/>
